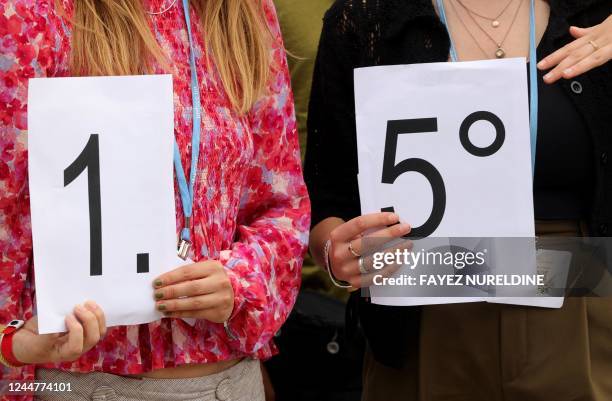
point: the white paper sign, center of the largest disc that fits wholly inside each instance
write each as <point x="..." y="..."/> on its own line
<point x="447" y="145"/>
<point x="102" y="194"/>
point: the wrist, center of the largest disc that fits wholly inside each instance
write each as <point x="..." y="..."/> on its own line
<point x="7" y="335"/>
<point x="319" y="235"/>
<point x="20" y="351"/>
<point x="328" y="267"/>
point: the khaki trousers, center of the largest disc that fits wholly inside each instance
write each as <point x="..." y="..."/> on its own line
<point x="489" y="352"/>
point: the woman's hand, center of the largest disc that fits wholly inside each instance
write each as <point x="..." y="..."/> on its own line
<point x="348" y="236"/>
<point x="592" y="48"/>
<point x="199" y="290"/>
<point x="86" y="326"/>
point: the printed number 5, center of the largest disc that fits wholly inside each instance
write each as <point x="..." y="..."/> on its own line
<point x="392" y="171"/>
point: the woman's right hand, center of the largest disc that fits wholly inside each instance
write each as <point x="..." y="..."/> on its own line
<point x="344" y="264"/>
<point x="86" y="326"/>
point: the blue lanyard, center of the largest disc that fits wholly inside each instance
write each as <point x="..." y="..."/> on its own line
<point x="187" y="192"/>
<point x="533" y="74"/>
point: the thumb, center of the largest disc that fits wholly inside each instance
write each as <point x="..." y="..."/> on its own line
<point x="578" y="32"/>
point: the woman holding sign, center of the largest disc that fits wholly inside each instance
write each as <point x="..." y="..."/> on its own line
<point x="243" y="208"/>
<point x="474" y="351"/>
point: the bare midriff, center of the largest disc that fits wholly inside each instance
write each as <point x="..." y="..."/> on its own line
<point x="189" y="371"/>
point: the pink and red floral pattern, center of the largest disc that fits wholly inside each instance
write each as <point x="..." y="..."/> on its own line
<point x="251" y="211"/>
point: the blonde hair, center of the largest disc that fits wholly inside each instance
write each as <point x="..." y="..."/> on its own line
<point x="112" y="37"/>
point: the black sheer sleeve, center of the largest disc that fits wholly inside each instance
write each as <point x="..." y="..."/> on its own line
<point x="331" y="151"/>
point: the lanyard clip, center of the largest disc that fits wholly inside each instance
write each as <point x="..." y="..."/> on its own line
<point x="183" y="249"/>
<point x="184" y="244"/>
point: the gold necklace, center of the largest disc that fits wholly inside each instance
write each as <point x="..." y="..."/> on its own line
<point x="495" y="20"/>
<point x="500" y="52"/>
<point x="468" y="31"/>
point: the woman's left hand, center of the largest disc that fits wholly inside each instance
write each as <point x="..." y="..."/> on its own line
<point x="200" y="290"/>
<point x="592" y="48"/>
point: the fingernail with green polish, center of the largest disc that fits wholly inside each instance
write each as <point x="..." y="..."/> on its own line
<point x="158" y="283"/>
<point x="161" y="307"/>
<point x="159" y="295"/>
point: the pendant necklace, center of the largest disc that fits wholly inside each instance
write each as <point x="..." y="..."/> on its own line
<point x="499" y="52"/>
<point x="495" y="20"/>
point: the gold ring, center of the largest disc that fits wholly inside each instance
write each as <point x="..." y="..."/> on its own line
<point x="352" y="251"/>
<point x="595" y="46"/>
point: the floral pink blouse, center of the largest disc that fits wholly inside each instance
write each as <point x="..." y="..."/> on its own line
<point x="251" y="208"/>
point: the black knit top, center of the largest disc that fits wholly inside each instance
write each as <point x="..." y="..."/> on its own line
<point x="360" y="33"/>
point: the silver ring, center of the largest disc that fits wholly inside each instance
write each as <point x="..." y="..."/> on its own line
<point x="352" y="251"/>
<point x="362" y="268"/>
